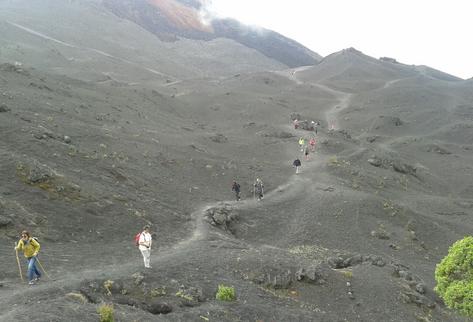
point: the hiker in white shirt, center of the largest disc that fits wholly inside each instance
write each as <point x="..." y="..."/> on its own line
<point x="144" y="243"/>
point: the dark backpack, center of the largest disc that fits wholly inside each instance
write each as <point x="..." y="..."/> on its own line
<point x="137" y="239"/>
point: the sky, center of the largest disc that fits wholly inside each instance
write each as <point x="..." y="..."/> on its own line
<point x="436" y="33"/>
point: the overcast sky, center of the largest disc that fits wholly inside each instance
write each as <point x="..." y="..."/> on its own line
<point x="437" y="33"/>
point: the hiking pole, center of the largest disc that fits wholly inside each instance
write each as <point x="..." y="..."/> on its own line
<point x="19" y="265"/>
<point x="42" y="268"/>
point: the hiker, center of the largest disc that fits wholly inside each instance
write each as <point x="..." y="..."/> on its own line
<point x="314" y="126"/>
<point x="297" y="164"/>
<point x="296" y="124"/>
<point x="30" y="248"/>
<point x="259" y="189"/>
<point x="301" y="143"/>
<point x="236" y="189"/>
<point x="306" y="152"/>
<point x="144" y="243"/>
<point x="312" y="143"/>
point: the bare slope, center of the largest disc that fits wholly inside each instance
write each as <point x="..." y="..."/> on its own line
<point x="86" y="41"/>
<point x="354" y="237"/>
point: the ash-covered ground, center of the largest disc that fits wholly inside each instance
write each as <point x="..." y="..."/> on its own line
<point x="87" y="159"/>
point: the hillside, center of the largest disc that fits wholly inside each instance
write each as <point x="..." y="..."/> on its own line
<point x="135" y="130"/>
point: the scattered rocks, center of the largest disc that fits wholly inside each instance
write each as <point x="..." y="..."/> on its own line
<point x="314" y="274"/>
<point x="306" y="125"/>
<point x="437" y="149"/>
<point x="5" y="221"/>
<point x="275" y="278"/>
<point x="16" y="68"/>
<point x="37" y="173"/>
<point x="114" y="291"/>
<point x="348" y="260"/>
<point x="156" y="307"/>
<point x="138" y="278"/>
<point x="4" y="108"/>
<point x="279" y="135"/>
<point x="375" y="161"/>
<point x="413" y="289"/>
<point x="190" y="296"/>
<point x="345" y="134"/>
<point x="77" y="297"/>
<point x="67" y="139"/>
<point x="408" y="296"/>
<point x="404" y="168"/>
<point x="371" y="139"/>
<point x="380" y="233"/>
<point x="222" y="218"/>
<point x="219" y="138"/>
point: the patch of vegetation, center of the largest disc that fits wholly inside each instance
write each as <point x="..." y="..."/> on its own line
<point x="156" y="292"/>
<point x="225" y="293"/>
<point x="108" y="286"/>
<point x="184" y="296"/>
<point x="389" y="205"/>
<point x="347" y="274"/>
<point x="333" y="160"/>
<point x="49" y="181"/>
<point x="106" y="313"/>
<point x="454" y="276"/>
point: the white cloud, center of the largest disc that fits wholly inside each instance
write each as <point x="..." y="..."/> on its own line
<point x="434" y="33"/>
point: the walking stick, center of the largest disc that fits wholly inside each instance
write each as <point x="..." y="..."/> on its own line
<point x="19" y="265"/>
<point x="42" y="268"/>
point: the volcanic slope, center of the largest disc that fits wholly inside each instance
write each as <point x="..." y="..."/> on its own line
<point x="86" y="162"/>
<point x="355" y="236"/>
<point x="84" y="40"/>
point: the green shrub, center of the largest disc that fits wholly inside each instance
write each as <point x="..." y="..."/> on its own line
<point x="454" y="276"/>
<point x="106" y="313"/>
<point x="225" y="293"/>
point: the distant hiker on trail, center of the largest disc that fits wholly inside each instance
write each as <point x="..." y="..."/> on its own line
<point x="259" y="189"/>
<point x="144" y="243"/>
<point x="296" y="124"/>
<point x="306" y="152"/>
<point x="30" y="248"/>
<point x="297" y="164"/>
<point x="312" y="143"/>
<point x="236" y="189"/>
<point x="314" y="126"/>
<point x="301" y="143"/>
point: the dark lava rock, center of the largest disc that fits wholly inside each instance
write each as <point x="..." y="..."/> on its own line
<point x="401" y="167"/>
<point x="221" y="217"/>
<point x="38" y="174"/>
<point x="375" y="161"/>
<point x="295" y="116"/>
<point x="4" y="221"/>
<point x="190" y="296"/>
<point x="279" y="135"/>
<point x="313" y="274"/>
<point x="219" y="138"/>
<point x="371" y="139"/>
<point x="336" y="262"/>
<point x="416" y="298"/>
<point x="155" y="307"/>
<point x="420" y="288"/>
<point x="345" y="134"/>
<point x="4" y="108"/>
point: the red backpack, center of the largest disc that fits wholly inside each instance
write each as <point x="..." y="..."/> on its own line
<point x="137" y="239"/>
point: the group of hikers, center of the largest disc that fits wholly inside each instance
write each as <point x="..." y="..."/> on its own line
<point x="258" y="190"/>
<point x="304" y="146"/>
<point x="30" y="246"/>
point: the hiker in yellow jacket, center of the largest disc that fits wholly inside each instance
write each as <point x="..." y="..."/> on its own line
<point x="30" y="248"/>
